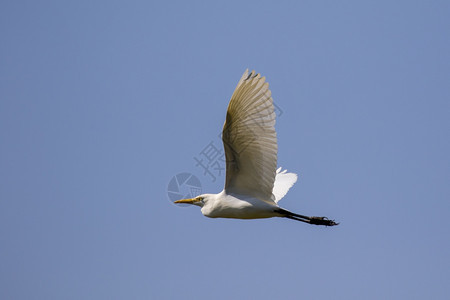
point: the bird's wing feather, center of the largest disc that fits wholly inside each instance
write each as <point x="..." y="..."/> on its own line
<point x="250" y="140"/>
<point x="283" y="182"/>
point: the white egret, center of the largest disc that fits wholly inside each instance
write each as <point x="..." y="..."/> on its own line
<point x="253" y="184"/>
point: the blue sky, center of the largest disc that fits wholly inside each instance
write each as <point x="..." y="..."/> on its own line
<point x="102" y="103"/>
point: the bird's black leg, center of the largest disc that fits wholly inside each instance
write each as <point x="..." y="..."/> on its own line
<point x="311" y="220"/>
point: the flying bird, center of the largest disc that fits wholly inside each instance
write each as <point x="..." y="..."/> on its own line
<point x="253" y="184"/>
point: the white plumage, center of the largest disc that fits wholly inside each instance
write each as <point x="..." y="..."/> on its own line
<point x="253" y="184"/>
<point x="283" y="182"/>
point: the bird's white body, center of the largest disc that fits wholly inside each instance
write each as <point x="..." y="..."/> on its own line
<point x="223" y="205"/>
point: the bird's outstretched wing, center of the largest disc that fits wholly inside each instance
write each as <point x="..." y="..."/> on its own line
<point x="283" y="182"/>
<point x="250" y="140"/>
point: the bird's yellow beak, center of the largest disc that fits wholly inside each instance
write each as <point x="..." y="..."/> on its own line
<point x="187" y="201"/>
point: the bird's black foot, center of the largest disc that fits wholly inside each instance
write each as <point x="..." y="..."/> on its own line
<point x="322" y="221"/>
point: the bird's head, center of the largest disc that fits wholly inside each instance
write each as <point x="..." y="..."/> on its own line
<point x="199" y="200"/>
